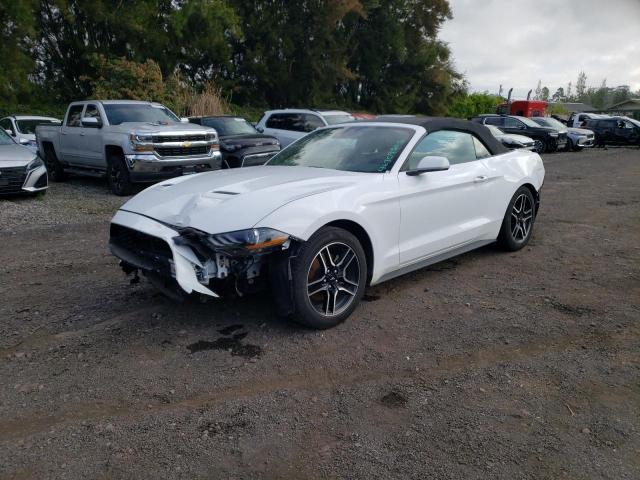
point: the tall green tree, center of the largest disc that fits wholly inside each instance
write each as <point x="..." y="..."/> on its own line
<point x="16" y="28"/>
<point x="397" y="61"/>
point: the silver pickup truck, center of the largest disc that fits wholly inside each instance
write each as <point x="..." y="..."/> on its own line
<point x="128" y="142"/>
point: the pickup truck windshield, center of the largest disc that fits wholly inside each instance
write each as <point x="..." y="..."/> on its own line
<point x="352" y="149"/>
<point x="118" y="113"/>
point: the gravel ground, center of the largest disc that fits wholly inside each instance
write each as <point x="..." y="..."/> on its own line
<point x="491" y="365"/>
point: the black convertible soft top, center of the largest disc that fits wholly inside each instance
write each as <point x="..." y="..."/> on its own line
<point x="433" y="124"/>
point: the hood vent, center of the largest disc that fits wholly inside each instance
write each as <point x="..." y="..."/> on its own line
<point x="222" y="192"/>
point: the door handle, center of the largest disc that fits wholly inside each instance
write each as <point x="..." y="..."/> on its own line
<point x="480" y="179"/>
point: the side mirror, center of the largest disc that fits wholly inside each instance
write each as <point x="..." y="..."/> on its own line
<point x="260" y="129"/>
<point x="91" y="122"/>
<point x="24" y="141"/>
<point x="184" y="120"/>
<point x="9" y="132"/>
<point x="429" y="164"/>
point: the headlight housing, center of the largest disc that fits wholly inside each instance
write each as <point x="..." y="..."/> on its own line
<point x="553" y="134"/>
<point x="241" y="242"/>
<point x="35" y="163"/>
<point x="229" y="148"/>
<point x="141" y="143"/>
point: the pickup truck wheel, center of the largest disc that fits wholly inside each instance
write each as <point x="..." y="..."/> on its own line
<point x="54" y="168"/>
<point x="118" y="176"/>
<point x="329" y="276"/>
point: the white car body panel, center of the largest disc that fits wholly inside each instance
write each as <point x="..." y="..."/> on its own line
<point x="410" y="220"/>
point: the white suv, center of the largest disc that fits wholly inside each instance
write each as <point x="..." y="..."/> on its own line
<point x="291" y="124"/>
<point x="23" y="128"/>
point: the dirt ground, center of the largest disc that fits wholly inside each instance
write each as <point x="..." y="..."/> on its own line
<point x="491" y="365"/>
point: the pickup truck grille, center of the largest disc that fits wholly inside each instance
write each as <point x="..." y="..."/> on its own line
<point x="12" y="179"/>
<point x="179" y="138"/>
<point x="140" y="249"/>
<point x="182" y="151"/>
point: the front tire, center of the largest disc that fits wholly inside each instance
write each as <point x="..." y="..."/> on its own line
<point x="517" y="225"/>
<point x="118" y="176"/>
<point x="329" y="276"/>
<point x="539" y="146"/>
<point x="54" y="167"/>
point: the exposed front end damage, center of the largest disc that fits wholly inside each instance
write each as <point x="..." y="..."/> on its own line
<point x="181" y="261"/>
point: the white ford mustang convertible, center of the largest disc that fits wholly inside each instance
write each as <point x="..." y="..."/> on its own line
<point x="346" y="206"/>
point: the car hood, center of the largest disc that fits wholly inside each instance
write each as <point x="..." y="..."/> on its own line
<point x="518" y="138"/>
<point x="580" y="131"/>
<point x="235" y="199"/>
<point x="15" y="156"/>
<point x="172" y="128"/>
<point x="249" y="140"/>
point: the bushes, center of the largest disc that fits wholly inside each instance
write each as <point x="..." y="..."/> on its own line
<point x="466" y="105"/>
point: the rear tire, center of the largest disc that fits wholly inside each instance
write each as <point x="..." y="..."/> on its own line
<point x="54" y="167"/>
<point x="118" y="176"/>
<point x="329" y="276"/>
<point x="517" y="224"/>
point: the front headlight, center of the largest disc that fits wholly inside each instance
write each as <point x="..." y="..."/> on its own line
<point x="254" y="240"/>
<point x="553" y="134"/>
<point x="35" y="163"/>
<point x="229" y="148"/>
<point x="241" y="242"/>
<point x="141" y="143"/>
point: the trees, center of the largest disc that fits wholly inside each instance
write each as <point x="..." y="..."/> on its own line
<point x="469" y="105"/>
<point x="379" y="55"/>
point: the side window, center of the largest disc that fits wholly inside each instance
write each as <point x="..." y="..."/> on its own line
<point x="456" y="146"/>
<point x="481" y="150"/>
<point x="74" y="116"/>
<point x="6" y="124"/>
<point x="281" y="121"/>
<point x="311" y="122"/>
<point x="496" y="121"/>
<point x="92" y="112"/>
<point x="512" y="123"/>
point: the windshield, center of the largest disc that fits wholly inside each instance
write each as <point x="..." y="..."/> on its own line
<point x="549" y="122"/>
<point x="28" y="127"/>
<point x="352" y="149"/>
<point x="335" y="119"/>
<point x="635" y="122"/>
<point x="5" y="139"/>
<point x="118" y="113"/>
<point x="527" y="121"/>
<point x="228" y="126"/>
<point x="495" y="131"/>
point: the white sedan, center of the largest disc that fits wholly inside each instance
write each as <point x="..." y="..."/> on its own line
<point x="345" y="207"/>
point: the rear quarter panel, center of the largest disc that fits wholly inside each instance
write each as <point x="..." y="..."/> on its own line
<point x="507" y="173"/>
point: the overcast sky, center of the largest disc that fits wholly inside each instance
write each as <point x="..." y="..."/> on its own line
<point x="518" y="42"/>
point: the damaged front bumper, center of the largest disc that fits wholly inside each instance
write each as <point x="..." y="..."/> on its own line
<point x="195" y="260"/>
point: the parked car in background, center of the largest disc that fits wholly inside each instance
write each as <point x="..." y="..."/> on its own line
<point x="363" y="116"/>
<point x="347" y="206"/>
<point x="546" y="139"/>
<point x="511" y="140"/>
<point x="291" y="124"/>
<point x="577" y="138"/>
<point x="23" y="128"/>
<point x="578" y="119"/>
<point x="241" y="144"/>
<point x="615" y="131"/>
<point x="21" y="170"/>
<point x="128" y="142"/>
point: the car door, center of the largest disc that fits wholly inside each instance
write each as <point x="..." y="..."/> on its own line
<point x="70" y="135"/>
<point x="513" y="125"/>
<point x="442" y="210"/>
<point x="625" y="133"/>
<point x="92" y="144"/>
